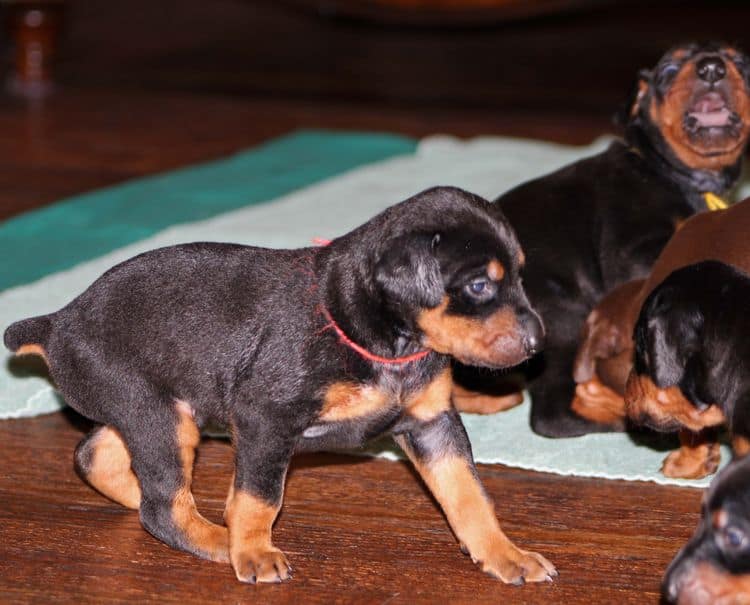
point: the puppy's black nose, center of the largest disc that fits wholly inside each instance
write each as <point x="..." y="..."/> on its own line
<point x="711" y="69"/>
<point x="533" y="330"/>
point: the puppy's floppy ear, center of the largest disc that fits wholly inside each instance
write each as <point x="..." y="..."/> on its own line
<point x="670" y="334"/>
<point x="408" y="272"/>
<point x="629" y="109"/>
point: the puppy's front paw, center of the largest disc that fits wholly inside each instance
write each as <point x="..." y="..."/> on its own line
<point x="518" y="567"/>
<point x="269" y="566"/>
<point x="693" y="462"/>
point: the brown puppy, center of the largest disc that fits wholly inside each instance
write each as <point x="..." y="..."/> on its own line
<point x="605" y="356"/>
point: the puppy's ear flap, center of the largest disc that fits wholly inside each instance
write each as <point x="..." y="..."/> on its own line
<point x="672" y="335"/>
<point x="600" y="339"/>
<point x="408" y="272"/>
<point x="629" y="109"/>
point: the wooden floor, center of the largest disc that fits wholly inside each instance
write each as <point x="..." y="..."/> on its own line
<point x="355" y="530"/>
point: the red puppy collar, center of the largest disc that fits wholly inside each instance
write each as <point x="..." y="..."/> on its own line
<point x="344" y="339"/>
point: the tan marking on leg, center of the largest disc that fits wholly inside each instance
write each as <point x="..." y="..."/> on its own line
<point x="472" y="518"/>
<point x="496" y="341"/>
<point x="433" y="399"/>
<point x="348" y="401"/>
<point x="740" y="445"/>
<point x="597" y="402"/>
<point x="495" y="270"/>
<point x="32" y="349"/>
<point x="254" y="557"/>
<point x="698" y="457"/>
<point x="211" y="540"/>
<point x="474" y="402"/>
<point x="110" y="471"/>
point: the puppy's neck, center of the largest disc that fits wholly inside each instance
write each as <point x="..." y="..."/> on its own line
<point x="359" y="310"/>
<point x="650" y="144"/>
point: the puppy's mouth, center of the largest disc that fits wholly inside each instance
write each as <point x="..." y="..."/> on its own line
<point x="710" y="120"/>
<point x="710" y="110"/>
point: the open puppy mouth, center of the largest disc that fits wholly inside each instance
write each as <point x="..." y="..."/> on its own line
<point x="710" y="110"/>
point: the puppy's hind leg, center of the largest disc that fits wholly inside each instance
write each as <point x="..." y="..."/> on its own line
<point x="102" y="460"/>
<point x="162" y="441"/>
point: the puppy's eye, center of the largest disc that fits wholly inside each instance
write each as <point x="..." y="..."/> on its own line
<point x="481" y="288"/>
<point x="733" y="539"/>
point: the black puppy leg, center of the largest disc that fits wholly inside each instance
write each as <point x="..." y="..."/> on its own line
<point x="103" y="461"/>
<point x="552" y="395"/>
<point x="254" y="500"/>
<point x="440" y="451"/>
<point x="162" y="442"/>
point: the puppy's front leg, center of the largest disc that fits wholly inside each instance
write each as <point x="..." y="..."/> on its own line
<point x="262" y="457"/>
<point x="440" y="450"/>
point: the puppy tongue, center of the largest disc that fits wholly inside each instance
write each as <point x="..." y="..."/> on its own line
<point x="711" y="110"/>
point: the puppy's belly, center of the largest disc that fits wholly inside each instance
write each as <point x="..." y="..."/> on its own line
<point x="348" y="434"/>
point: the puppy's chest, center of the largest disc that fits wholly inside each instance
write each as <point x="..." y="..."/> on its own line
<point x="352" y="413"/>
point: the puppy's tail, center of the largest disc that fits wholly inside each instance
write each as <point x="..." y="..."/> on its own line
<point x="28" y="335"/>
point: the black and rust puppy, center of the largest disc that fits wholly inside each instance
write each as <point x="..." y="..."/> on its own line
<point x="294" y="350"/>
<point x="691" y="367"/>
<point x="602" y="221"/>
<point x="713" y="568"/>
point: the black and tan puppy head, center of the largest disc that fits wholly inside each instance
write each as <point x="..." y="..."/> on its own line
<point x="673" y="384"/>
<point x="457" y="276"/>
<point x="697" y="101"/>
<point x="714" y="566"/>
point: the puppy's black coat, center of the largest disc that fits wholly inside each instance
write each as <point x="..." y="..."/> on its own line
<point x="714" y="566"/>
<point x="692" y="349"/>
<point x="294" y="350"/>
<point x="602" y="221"/>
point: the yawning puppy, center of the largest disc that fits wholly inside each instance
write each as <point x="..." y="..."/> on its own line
<point x="294" y="350"/>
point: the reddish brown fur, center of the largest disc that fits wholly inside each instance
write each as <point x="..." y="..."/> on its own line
<point x="707" y="585"/>
<point x="598" y="403"/>
<point x="211" y="540"/>
<point x="664" y="406"/>
<point x="33" y="349"/>
<point x="433" y="399"/>
<point x="698" y="457"/>
<point x="495" y="270"/>
<point x="253" y="555"/>
<point x="347" y="400"/>
<point x="740" y="445"/>
<point x="110" y="471"/>
<point x="474" y="402"/>
<point x="497" y="338"/>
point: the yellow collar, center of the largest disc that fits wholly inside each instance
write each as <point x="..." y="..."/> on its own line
<point x="714" y="202"/>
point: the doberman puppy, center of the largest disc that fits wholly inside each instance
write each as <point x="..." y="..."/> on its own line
<point x="294" y="350"/>
<point x="602" y="221"/>
<point x="690" y="369"/>
<point x="713" y="568"/>
<point x="605" y="357"/>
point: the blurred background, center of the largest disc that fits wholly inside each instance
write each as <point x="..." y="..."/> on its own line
<point x="205" y="78"/>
